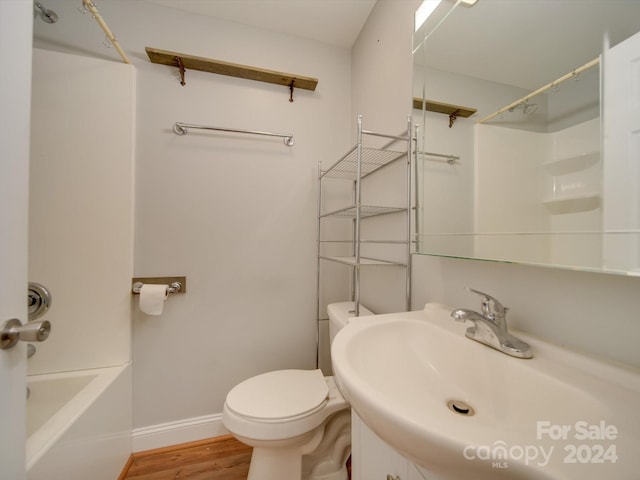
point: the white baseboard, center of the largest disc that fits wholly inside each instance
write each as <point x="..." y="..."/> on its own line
<point x="173" y="433"/>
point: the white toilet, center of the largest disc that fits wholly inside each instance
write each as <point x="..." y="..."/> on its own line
<point x="297" y="422"/>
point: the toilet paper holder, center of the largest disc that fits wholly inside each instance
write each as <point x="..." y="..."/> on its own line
<point x="176" y="284"/>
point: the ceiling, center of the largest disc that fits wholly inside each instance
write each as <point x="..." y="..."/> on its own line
<point x="528" y="43"/>
<point x="334" y="22"/>
<point x="525" y="43"/>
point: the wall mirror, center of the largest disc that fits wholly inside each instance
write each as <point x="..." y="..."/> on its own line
<point x="527" y="115"/>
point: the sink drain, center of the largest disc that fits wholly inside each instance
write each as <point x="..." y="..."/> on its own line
<point x="460" y="407"/>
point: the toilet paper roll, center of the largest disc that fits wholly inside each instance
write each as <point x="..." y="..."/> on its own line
<point x="152" y="298"/>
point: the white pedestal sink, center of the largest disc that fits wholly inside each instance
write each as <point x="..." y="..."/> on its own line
<point x="465" y="411"/>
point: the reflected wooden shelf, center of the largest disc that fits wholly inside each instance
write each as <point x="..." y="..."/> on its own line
<point x="453" y="111"/>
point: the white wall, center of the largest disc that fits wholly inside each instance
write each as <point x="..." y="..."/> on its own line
<point x="236" y="215"/>
<point x="81" y="208"/>
<point x="592" y="312"/>
<point x="379" y="95"/>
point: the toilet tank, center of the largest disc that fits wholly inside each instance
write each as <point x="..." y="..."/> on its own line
<point x="339" y="314"/>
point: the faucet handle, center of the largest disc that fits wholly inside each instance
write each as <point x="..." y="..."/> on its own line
<point x="490" y="305"/>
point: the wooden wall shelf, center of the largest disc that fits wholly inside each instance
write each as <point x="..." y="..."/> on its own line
<point x="183" y="61"/>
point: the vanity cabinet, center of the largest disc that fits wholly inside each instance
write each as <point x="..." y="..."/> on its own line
<point x="373" y="459"/>
<point x="353" y="249"/>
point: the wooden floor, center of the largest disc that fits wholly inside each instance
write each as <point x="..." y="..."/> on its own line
<point x="220" y="458"/>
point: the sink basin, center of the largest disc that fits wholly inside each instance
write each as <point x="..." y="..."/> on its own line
<point x="462" y="410"/>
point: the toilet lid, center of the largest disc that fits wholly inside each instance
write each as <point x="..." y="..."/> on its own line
<point x="279" y="394"/>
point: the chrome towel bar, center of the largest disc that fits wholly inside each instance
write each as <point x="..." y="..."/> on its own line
<point x="182" y="129"/>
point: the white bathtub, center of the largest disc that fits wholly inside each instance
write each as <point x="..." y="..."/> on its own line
<point x="79" y="424"/>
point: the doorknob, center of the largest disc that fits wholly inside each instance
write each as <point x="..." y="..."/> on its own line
<point x="13" y="330"/>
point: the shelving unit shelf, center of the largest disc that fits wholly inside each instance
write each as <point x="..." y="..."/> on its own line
<point x="358" y="163"/>
<point x="369" y="159"/>
<point x="363" y="261"/>
<point x="365" y="211"/>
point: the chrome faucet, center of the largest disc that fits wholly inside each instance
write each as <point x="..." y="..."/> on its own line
<point x="490" y="327"/>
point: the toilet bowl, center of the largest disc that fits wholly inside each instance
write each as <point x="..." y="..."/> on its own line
<point x="297" y="421"/>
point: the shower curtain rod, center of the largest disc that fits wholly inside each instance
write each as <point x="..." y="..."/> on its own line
<point x="182" y="128"/>
<point x="105" y="28"/>
<point x="555" y="83"/>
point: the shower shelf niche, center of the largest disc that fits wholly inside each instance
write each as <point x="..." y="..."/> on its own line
<point x="572" y="175"/>
<point x="573" y="163"/>
<point x="581" y="202"/>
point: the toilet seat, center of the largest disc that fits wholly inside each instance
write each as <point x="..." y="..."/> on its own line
<point x="282" y="395"/>
<point x="295" y="403"/>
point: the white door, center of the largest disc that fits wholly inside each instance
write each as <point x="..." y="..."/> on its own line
<point x="16" y="24"/>
<point x="621" y="112"/>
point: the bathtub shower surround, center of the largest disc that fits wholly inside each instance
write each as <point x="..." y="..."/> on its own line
<point x="80" y="247"/>
<point x="74" y="431"/>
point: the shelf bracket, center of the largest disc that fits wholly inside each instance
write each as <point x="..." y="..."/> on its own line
<point x="181" y="69"/>
<point x="453" y="116"/>
<point x="291" y="87"/>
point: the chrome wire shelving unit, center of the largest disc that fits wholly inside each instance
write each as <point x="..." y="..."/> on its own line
<point x="358" y="163"/>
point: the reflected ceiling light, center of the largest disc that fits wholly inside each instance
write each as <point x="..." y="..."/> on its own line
<point x="468" y="3"/>
<point x="424" y="10"/>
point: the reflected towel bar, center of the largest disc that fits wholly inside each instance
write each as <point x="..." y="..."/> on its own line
<point x="182" y="128"/>
<point x="450" y="159"/>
